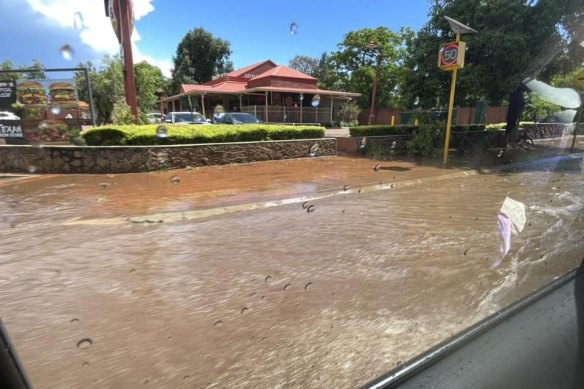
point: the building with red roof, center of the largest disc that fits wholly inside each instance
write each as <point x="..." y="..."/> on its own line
<point x="274" y="93"/>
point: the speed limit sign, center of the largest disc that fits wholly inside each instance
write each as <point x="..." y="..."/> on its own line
<point x="451" y="55"/>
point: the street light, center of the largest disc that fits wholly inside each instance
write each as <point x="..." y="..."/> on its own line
<point x="374" y="46"/>
<point x="451" y="58"/>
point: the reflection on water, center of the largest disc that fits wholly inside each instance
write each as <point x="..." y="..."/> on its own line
<point x="272" y="297"/>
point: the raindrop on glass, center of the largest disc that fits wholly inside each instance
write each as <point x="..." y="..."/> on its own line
<point x="85" y="364"/>
<point x="161" y="132"/>
<point x="500" y="154"/>
<point x="55" y="109"/>
<point x="310" y="208"/>
<point x="305" y="205"/>
<point x="307" y="286"/>
<point x="244" y="310"/>
<point x="416" y="67"/>
<point x="218" y="323"/>
<point x="84" y="343"/>
<point x="31" y="168"/>
<point x="78" y="23"/>
<point x="268" y="279"/>
<point x="175" y="179"/>
<point x="393" y="144"/>
<point x="427" y="74"/>
<point x="363" y="143"/>
<point x="313" y="150"/>
<point x="466" y="251"/>
<point x="417" y="101"/>
<point x="74" y="320"/>
<point x="293" y="28"/>
<point x="162" y="157"/>
<point x="346" y="188"/>
<point x="105" y="185"/>
<point x="67" y="52"/>
<point x="43" y="125"/>
<point x="377" y="167"/>
<point x="315" y="101"/>
<point x="287" y="286"/>
<point x="37" y="144"/>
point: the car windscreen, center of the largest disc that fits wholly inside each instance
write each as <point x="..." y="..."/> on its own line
<point x="241" y="118"/>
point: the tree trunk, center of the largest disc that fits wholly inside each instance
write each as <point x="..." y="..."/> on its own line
<point x="516" y="106"/>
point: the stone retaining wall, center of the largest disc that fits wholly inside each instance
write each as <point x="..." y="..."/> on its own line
<point x="130" y="159"/>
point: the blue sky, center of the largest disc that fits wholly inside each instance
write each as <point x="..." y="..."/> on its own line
<point x="257" y="30"/>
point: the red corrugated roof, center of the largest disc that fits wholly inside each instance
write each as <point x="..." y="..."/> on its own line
<point x="225" y="87"/>
<point x="302" y="90"/>
<point x="284" y="71"/>
<point x="241" y="72"/>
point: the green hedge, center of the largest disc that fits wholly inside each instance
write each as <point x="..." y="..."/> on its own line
<point x="386" y="130"/>
<point x="381" y="130"/>
<point x="192" y="134"/>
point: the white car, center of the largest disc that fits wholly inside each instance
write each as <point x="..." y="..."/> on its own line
<point x="185" y="118"/>
<point x="7" y="115"/>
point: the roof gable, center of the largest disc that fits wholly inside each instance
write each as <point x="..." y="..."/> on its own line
<point x="240" y="73"/>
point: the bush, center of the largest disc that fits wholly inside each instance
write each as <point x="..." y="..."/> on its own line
<point x="425" y="141"/>
<point x="496" y="127"/>
<point x="381" y="130"/>
<point x="193" y="134"/>
<point x="470" y="127"/>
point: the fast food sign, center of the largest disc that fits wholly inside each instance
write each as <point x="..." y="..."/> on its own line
<point x="113" y="11"/>
<point x="451" y="55"/>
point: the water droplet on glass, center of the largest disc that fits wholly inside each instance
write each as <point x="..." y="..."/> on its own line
<point x="262" y="298"/>
<point x="105" y="185"/>
<point x="43" y="125"/>
<point x="175" y="179"/>
<point x="416" y="67"/>
<point x="287" y="286"/>
<point x="315" y="101"/>
<point x="313" y="150"/>
<point x="466" y="251"/>
<point x="74" y="320"/>
<point x="310" y="208"/>
<point x="346" y="188"/>
<point x="132" y="271"/>
<point x="55" y="109"/>
<point x="85" y="364"/>
<point x="500" y="154"/>
<point x="244" y="310"/>
<point x="218" y="323"/>
<point x="162" y="157"/>
<point x="84" y="343"/>
<point x="78" y="23"/>
<point x="67" y="52"/>
<point x="161" y="132"/>
<point x="307" y="286"/>
<point x="293" y="28"/>
<point x="37" y="144"/>
<point x="186" y="377"/>
<point x="31" y="168"/>
<point x="363" y="143"/>
<point x="376" y="167"/>
<point x="268" y="279"/>
<point x="417" y="101"/>
<point x="304" y="205"/>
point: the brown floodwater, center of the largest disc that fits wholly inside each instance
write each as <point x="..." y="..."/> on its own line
<point x="223" y="279"/>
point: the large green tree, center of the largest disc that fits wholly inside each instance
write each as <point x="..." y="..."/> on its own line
<point x="355" y="63"/>
<point x="305" y="64"/>
<point x="200" y="56"/>
<point x="149" y="80"/>
<point x="35" y="71"/>
<point x="515" y="40"/>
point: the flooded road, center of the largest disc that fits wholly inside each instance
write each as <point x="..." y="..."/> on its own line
<point x="149" y="281"/>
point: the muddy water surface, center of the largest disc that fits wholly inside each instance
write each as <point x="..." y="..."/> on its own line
<point x="270" y="297"/>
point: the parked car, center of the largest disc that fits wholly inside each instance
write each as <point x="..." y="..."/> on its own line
<point x="185" y="118"/>
<point x="154" y="118"/>
<point x="7" y="115"/>
<point x="236" y="118"/>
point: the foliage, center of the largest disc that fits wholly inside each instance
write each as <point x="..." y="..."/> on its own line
<point x="305" y="64"/>
<point x="36" y="71"/>
<point x="381" y="130"/>
<point x="355" y="63"/>
<point x="199" y="56"/>
<point x="149" y="80"/>
<point x="192" y="134"/>
<point x="511" y="36"/>
<point x="122" y="113"/>
<point x="349" y="113"/>
<point x="426" y="141"/>
<point x="25" y="112"/>
<point x="537" y="109"/>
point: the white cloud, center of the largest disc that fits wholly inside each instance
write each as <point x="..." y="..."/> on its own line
<point x="96" y="30"/>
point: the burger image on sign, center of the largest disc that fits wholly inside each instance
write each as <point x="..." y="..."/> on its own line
<point x="31" y="92"/>
<point x="62" y="92"/>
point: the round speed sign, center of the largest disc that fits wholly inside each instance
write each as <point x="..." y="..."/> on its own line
<point x="449" y="54"/>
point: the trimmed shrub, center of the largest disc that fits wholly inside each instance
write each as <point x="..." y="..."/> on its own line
<point x="193" y="134"/>
<point x="470" y="127"/>
<point x="381" y="130"/>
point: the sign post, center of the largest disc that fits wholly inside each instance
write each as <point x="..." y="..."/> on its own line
<point x="451" y="58"/>
<point x="121" y="13"/>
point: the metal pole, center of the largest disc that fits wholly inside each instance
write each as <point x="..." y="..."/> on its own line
<point x="576" y="130"/>
<point x="332" y="105"/>
<point x="90" y="93"/>
<point x="203" y="104"/>
<point x="450" y="111"/>
<point x="375" y="81"/>
<point x="129" y="80"/>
